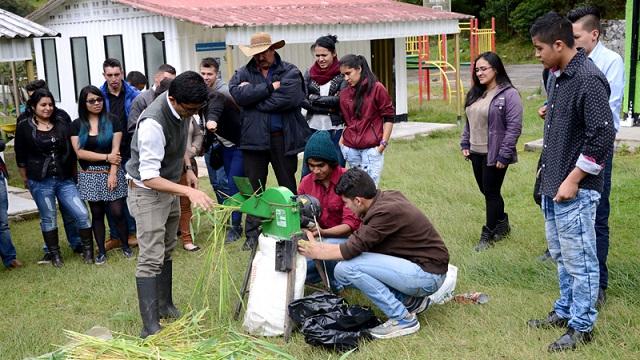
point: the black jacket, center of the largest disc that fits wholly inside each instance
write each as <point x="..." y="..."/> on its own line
<point x="29" y="154"/>
<point x="226" y="113"/>
<point x="325" y="105"/>
<point x="258" y="100"/>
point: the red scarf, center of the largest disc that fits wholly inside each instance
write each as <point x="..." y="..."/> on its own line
<point x="323" y="76"/>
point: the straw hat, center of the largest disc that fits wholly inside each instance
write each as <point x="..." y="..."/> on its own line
<point x="260" y="42"/>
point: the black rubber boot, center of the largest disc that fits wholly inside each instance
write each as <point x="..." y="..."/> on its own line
<point x="148" y="302"/>
<point x="251" y="232"/>
<point x="51" y="239"/>
<point x="486" y="239"/>
<point x="86" y="237"/>
<point x="166" y="308"/>
<point x="502" y="228"/>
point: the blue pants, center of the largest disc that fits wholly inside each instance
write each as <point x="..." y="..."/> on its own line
<point x="217" y="178"/>
<point x="571" y="237"/>
<point x="602" y="225"/>
<point x="387" y="280"/>
<point x="233" y="166"/>
<point x="369" y="160"/>
<point x="312" y="273"/>
<point x="7" y="250"/>
<point x="45" y="193"/>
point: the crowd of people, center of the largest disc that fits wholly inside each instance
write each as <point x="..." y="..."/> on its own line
<point x="136" y="150"/>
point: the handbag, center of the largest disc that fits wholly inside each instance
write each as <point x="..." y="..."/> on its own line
<point x="216" y="159"/>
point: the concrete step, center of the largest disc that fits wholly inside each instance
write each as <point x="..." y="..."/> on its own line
<point x="627" y="137"/>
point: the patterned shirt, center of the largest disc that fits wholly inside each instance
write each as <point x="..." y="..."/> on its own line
<point x="578" y="127"/>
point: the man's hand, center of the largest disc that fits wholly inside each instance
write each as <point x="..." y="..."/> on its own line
<point x="200" y="199"/>
<point x="212" y="125"/>
<point x="309" y="248"/>
<point x="567" y="191"/>
<point x="500" y="165"/>
<point x="542" y="111"/>
<point x="192" y="179"/>
<point x="244" y="83"/>
<point x="380" y="148"/>
<point x="466" y="153"/>
<point x="276" y="85"/>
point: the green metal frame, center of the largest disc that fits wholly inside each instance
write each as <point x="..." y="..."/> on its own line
<point x="631" y="57"/>
<point x="276" y="206"/>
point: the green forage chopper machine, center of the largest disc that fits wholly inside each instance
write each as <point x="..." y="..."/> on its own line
<point x="283" y="216"/>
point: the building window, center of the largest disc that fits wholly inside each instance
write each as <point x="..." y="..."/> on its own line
<point x="50" y="60"/>
<point x="80" y="63"/>
<point x="113" y="48"/>
<point x="153" y="52"/>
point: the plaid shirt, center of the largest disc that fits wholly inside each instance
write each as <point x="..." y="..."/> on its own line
<point x="578" y="127"/>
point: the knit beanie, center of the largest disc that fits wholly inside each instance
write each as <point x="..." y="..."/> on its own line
<point x="320" y="146"/>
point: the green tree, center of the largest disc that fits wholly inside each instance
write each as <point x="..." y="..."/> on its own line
<point x="18" y="7"/>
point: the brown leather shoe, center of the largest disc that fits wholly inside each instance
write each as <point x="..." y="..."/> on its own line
<point x="112" y="244"/>
<point x="14" y="264"/>
<point x="132" y="240"/>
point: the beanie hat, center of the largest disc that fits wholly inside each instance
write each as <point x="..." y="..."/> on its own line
<point x="320" y="146"/>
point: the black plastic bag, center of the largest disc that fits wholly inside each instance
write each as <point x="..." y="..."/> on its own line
<point x="328" y="321"/>
<point x="314" y="304"/>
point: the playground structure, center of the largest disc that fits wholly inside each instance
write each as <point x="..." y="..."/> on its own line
<point x="419" y="51"/>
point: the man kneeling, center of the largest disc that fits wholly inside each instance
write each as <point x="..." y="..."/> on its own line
<point x="396" y="257"/>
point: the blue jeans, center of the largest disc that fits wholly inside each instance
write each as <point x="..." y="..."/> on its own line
<point x="217" y="178"/>
<point x="312" y="273"/>
<point x="7" y="250"/>
<point x="369" y="160"/>
<point x="571" y="238"/>
<point x="233" y="166"/>
<point x="45" y="193"/>
<point x="602" y="225"/>
<point x="387" y="280"/>
<point x="335" y="138"/>
<point x="70" y="229"/>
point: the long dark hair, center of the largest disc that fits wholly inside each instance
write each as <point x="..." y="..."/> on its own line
<point x="35" y="98"/>
<point x="501" y="77"/>
<point x="105" y="127"/>
<point x="367" y="78"/>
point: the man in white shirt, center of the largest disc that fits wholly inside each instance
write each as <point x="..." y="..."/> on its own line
<point x="154" y="170"/>
<point x="586" y="32"/>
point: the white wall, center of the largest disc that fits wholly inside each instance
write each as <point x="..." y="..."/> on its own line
<point x="94" y="23"/>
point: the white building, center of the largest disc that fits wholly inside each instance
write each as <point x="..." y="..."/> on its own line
<point x="143" y="34"/>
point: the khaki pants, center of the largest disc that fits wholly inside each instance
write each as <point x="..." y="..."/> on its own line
<point x="157" y="216"/>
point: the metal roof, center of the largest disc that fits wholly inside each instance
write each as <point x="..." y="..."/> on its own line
<point x="237" y="13"/>
<point x="13" y="26"/>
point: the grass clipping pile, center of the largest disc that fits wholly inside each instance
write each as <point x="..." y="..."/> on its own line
<point x="197" y="334"/>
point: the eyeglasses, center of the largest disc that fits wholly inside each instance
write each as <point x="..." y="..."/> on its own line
<point x="193" y="109"/>
<point x="483" y="68"/>
<point x="95" y="101"/>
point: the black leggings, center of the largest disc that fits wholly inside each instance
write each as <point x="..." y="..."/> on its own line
<point x="489" y="179"/>
<point x="98" y="209"/>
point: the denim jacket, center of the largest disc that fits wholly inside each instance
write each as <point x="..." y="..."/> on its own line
<point x="505" y="126"/>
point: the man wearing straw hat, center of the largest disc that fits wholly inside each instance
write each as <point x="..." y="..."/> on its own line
<point x="273" y="130"/>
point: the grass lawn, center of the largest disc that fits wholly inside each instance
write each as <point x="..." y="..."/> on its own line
<point x="38" y="302"/>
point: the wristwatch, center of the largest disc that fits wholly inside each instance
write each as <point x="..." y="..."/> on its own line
<point x="188" y="167"/>
<point x="384" y="143"/>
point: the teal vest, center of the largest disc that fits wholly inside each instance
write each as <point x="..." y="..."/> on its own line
<point x="175" y="134"/>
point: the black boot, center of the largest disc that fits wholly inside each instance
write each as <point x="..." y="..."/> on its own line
<point x="502" y="228"/>
<point x="251" y="232"/>
<point x="486" y="239"/>
<point x="234" y="233"/>
<point x="166" y="309"/>
<point x="51" y="239"/>
<point x="86" y="237"/>
<point x="148" y="302"/>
